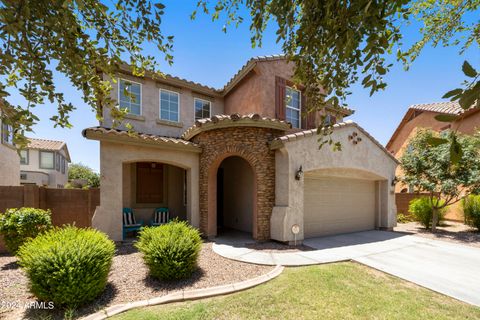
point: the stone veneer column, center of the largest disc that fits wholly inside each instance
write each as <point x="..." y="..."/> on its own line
<point x="251" y="144"/>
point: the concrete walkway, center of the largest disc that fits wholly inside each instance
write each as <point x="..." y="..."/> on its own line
<point x="448" y="268"/>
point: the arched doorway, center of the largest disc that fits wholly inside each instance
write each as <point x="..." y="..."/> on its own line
<point x="235" y="196"/>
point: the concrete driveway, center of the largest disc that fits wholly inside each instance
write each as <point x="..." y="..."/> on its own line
<point x="448" y="268"/>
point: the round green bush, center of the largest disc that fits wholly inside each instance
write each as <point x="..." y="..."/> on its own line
<point x="68" y="265"/>
<point x="423" y="212"/>
<point x="471" y="210"/>
<point x="20" y="225"/>
<point x="171" y="250"/>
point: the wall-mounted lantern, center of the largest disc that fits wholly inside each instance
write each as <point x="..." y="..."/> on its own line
<point x="394" y="181"/>
<point x="299" y="173"/>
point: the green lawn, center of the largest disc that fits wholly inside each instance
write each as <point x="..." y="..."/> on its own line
<point x="332" y="291"/>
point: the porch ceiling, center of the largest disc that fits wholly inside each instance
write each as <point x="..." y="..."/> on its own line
<point x="143" y="139"/>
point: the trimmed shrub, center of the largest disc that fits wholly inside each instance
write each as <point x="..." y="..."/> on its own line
<point x="421" y="208"/>
<point x="404" y="218"/>
<point x="471" y="210"/>
<point x="68" y="266"/>
<point x="171" y="250"/>
<point x="20" y="225"/>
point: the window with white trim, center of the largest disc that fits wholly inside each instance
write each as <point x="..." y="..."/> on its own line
<point x="57" y="161"/>
<point x="7" y="134"/>
<point x="169" y="105"/>
<point x="202" y="108"/>
<point x="23" y="156"/>
<point x="130" y="96"/>
<point x="64" y="162"/>
<point x="47" y="160"/>
<point x="293" y="103"/>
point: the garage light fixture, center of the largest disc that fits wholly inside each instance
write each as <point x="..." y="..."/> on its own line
<point x="299" y="173"/>
<point x="394" y="181"/>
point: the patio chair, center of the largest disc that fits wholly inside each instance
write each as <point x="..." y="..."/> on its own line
<point x="160" y="216"/>
<point x="129" y="222"/>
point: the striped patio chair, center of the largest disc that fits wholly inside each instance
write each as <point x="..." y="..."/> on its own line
<point x="161" y="216"/>
<point x="129" y="222"/>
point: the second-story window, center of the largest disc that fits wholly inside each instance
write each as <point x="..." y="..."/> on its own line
<point x="169" y="102"/>
<point x="7" y="134"/>
<point x="23" y="156"/>
<point x="57" y="161"/>
<point x="293" y="103"/>
<point x="63" y="164"/>
<point x="130" y="96"/>
<point x="47" y="160"/>
<point x="202" y="108"/>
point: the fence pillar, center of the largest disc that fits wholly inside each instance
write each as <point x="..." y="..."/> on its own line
<point x="31" y="196"/>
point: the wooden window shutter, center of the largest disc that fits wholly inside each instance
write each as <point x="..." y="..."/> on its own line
<point x="308" y="119"/>
<point x="280" y="107"/>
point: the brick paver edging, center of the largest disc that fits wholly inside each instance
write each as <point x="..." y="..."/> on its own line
<point x="184" y="295"/>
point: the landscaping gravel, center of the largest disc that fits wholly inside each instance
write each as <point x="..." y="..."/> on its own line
<point x="449" y="231"/>
<point x="128" y="281"/>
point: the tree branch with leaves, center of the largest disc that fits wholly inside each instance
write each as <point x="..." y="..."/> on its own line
<point x="427" y="167"/>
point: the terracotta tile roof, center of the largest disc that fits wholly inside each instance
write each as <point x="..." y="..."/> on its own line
<point x="449" y="107"/>
<point x="50" y="145"/>
<point x="96" y="132"/>
<point x="234" y="120"/>
<point x="44" y="144"/>
<point x="276" y="143"/>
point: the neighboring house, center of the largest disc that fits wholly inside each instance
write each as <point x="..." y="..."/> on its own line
<point x="243" y="157"/>
<point x="422" y="116"/>
<point x="9" y="166"/>
<point x="44" y="163"/>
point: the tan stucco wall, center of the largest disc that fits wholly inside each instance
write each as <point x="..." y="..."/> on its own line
<point x="150" y="108"/>
<point x="238" y="198"/>
<point x="9" y="166"/>
<point x="468" y="125"/>
<point x="365" y="160"/>
<point x="113" y="156"/>
<point x="38" y="176"/>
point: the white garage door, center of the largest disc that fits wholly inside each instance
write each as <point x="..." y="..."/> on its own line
<point x="338" y="205"/>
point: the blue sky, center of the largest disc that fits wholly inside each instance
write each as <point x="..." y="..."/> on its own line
<point x="203" y="53"/>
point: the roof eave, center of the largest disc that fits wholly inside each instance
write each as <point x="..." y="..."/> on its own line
<point x="133" y="140"/>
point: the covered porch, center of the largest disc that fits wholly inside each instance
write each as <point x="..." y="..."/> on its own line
<point x="144" y="172"/>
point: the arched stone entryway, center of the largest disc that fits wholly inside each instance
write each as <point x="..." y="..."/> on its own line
<point x="248" y="139"/>
<point x="235" y="189"/>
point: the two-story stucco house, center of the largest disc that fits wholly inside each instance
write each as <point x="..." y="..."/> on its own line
<point x="44" y="163"/>
<point x="242" y="157"/>
<point x="9" y="166"/>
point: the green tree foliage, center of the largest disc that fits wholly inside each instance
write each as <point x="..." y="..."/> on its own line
<point x="428" y="167"/>
<point x="338" y="43"/>
<point x="334" y="44"/>
<point x="78" y="172"/>
<point x="80" y="39"/>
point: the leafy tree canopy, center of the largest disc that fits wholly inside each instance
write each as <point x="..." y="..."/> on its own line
<point x="427" y="166"/>
<point x="338" y="43"/>
<point x="335" y="43"/>
<point x="80" y="176"/>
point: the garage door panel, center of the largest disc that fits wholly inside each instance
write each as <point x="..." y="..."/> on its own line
<point x="337" y="205"/>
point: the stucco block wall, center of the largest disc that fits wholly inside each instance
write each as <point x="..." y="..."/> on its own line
<point x="113" y="157"/>
<point x="9" y="166"/>
<point x="149" y="120"/>
<point x="251" y="144"/>
<point x="365" y="160"/>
